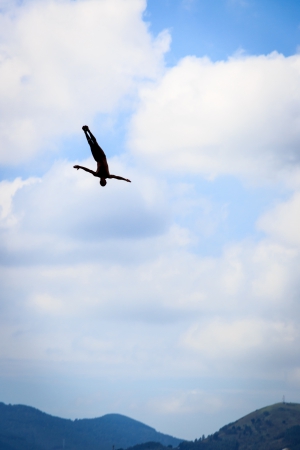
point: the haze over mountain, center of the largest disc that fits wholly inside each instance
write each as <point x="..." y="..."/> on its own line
<point x="26" y="428"/>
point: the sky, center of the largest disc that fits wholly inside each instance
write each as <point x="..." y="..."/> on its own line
<point x="173" y="300"/>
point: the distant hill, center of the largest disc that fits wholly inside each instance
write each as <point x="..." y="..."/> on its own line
<point x="26" y="428"/>
<point x="274" y="427"/>
<point x="149" y="446"/>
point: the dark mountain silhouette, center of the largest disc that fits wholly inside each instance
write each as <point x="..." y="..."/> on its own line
<point x="149" y="446"/>
<point x="275" y="427"/>
<point x="26" y="428"/>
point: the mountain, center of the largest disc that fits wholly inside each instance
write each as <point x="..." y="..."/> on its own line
<point x="274" y="427"/>
<point x="26" y="428"/>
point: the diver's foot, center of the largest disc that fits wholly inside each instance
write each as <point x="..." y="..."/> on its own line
<point x="85" y="128"/>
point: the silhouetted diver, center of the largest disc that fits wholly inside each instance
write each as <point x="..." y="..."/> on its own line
<point x="102" y="167"/>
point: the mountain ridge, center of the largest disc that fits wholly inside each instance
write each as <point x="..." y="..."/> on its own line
<point x="274" y="427"/>
<point x="23" y="427"/>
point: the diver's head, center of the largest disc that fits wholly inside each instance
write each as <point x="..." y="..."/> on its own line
<point x="103" y="182"/>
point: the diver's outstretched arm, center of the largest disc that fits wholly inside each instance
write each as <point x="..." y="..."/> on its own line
<point x="86" y="169"/>
<point x="119" y="178"/>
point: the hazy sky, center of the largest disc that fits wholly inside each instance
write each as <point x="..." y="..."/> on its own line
<point x="174" y="299"/>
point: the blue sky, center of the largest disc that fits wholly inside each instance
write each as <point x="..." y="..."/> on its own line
<point x="221" y="28"/>
<point x="175" y="299"/>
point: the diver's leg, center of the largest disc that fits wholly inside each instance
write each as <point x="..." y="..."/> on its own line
<point x="92" y="137"/>
<point x="96" y="150"/>
<point x="88" y="137"/>
<point x="99" y="150"/>
<point x="92" y="145"/>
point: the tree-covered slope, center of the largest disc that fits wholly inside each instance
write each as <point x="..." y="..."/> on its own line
<point x="271" y="428"/>
<point x="26" y="428"/>
<point x="275" y="427"/>
<point x="23" y="428"/>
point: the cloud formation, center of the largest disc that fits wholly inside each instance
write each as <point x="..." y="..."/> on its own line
<point x="90" y="280"/>
<point x="62" y="62"/>
<point x="237" y="117"/>
<point x="75" y="241"/>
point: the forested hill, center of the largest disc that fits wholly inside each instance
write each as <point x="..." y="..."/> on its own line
<point x="26" y="428"/>
<point x="23" y="428"/>
<point x="275" y="427"/>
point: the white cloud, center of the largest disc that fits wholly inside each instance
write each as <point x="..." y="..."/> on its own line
<point x="62" y="62"/>
<point x="71" y="203"/>
<point x="84" y="295"/>
<point x="47" y="304"/>
<point x="238" y="117"/>
<point x="7" y="192"/>
<point x="242" y="338"/>
<point x="283" y="221"/>
<point x="74" y="239"/>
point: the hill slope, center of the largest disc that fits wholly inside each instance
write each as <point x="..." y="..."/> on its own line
<point x="275" y="427"/>
<point x="26" y="428"/>
<point x="271" y="428"/>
